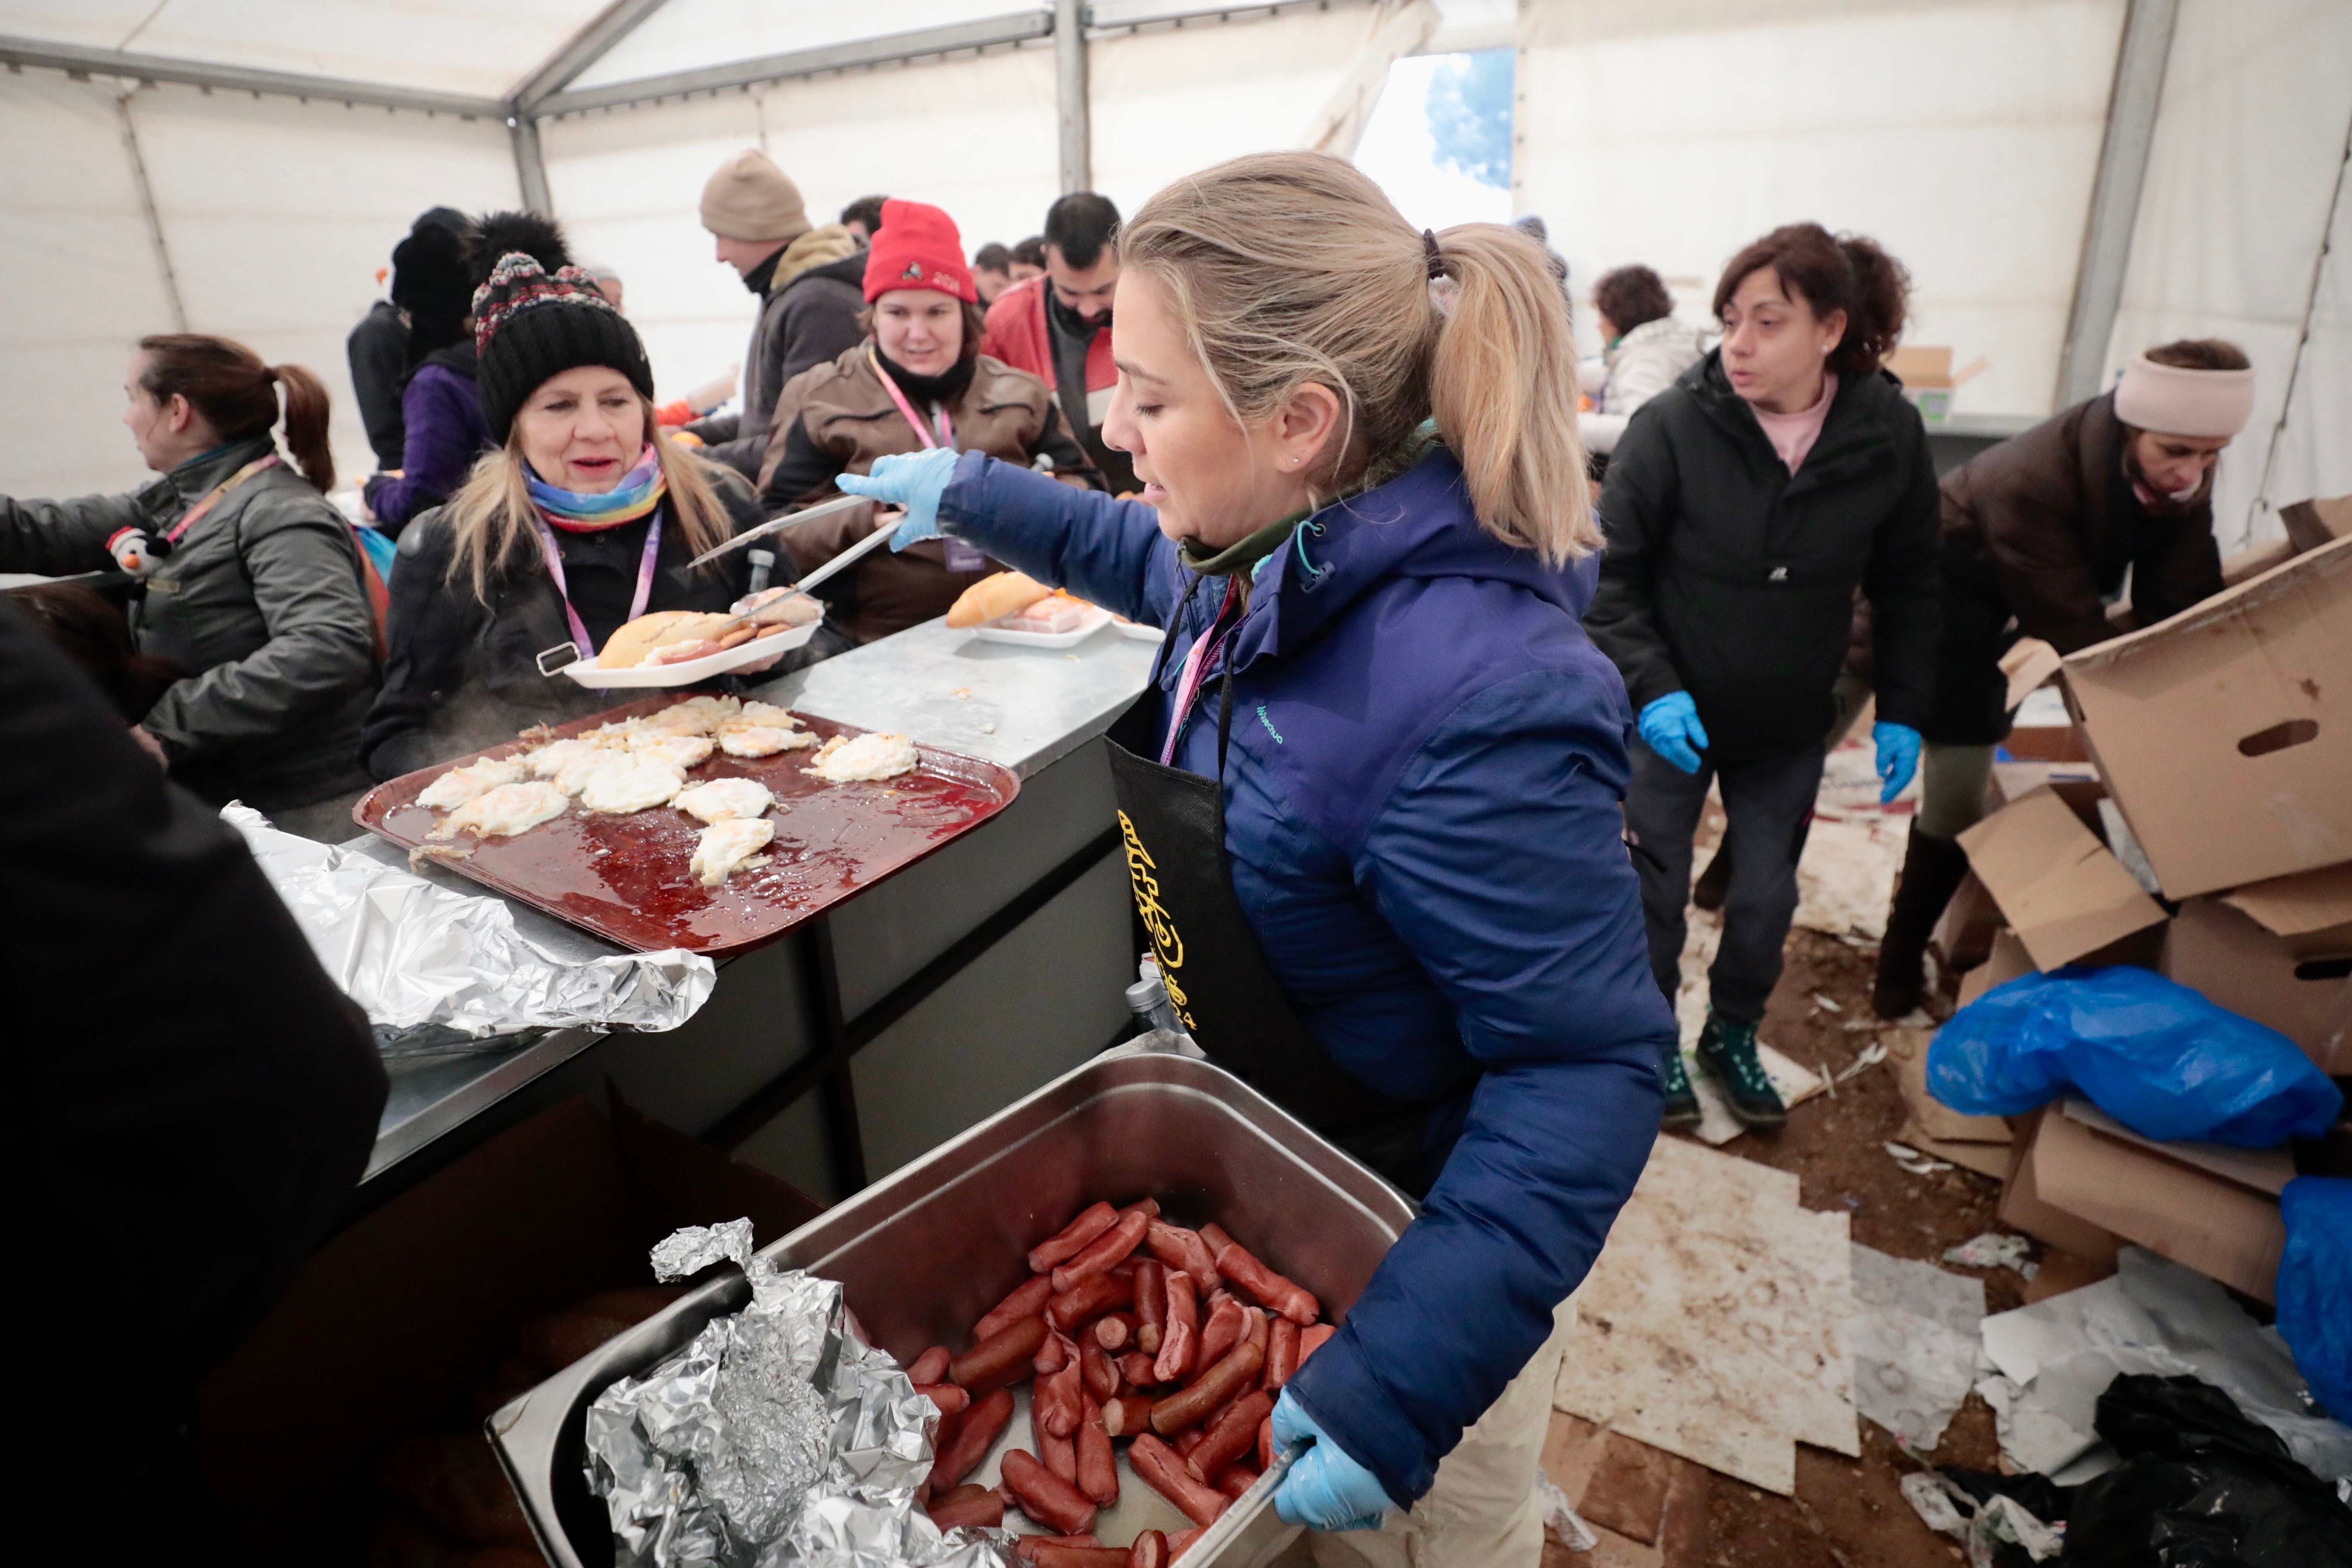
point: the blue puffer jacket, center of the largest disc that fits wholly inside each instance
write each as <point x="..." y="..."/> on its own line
<point x="1422" y="813"/>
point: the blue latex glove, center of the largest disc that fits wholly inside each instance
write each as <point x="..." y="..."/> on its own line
<point x="915" y="481"/>
<point x="1898" y="757"/>
<point x="1671" y="727"/>
<point x="1325" y="1489"/>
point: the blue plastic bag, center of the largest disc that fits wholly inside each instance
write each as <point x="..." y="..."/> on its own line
<point x="2314" y="1287"/>
<point x="2155" y="1055"/>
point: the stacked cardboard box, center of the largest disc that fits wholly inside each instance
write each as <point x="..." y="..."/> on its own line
<point x="2210" y="837"/>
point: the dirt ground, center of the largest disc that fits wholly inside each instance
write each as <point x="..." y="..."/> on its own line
<point x="1659" y="1511"/>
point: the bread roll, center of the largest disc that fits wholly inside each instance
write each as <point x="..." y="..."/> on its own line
<point x="629" y="647"/>
<point x="992" y="597"/>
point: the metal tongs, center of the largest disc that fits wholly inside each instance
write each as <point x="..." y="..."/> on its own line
<point x="778" y="524"/>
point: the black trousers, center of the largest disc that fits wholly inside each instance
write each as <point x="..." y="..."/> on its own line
<point x="1770" y="808"/>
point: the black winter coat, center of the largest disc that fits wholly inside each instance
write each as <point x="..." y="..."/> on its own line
<point x="463" y="674"/>
<point x="1728" y="577"/>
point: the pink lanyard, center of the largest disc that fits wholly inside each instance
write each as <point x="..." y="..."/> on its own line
<point x="196" y="513"/>
<point x="1188" y="685"/>
<point x="946" y="426"/>
<point x="637" y="603"/>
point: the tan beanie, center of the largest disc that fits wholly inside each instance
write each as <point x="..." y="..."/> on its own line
<point x="751" y="198"/>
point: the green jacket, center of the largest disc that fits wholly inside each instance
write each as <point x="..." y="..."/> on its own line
<point x="263" y="603"/>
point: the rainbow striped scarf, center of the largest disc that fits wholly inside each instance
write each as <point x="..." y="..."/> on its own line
<point x="638" y="493"/>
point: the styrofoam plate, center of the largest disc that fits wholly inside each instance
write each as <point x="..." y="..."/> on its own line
<point x="1141" y="632"/>
<point x="588" y="673"/>
<point x="1096" y="619"/>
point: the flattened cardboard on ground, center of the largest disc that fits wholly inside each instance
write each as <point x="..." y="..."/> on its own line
<point x="2061" y="892"/>
<point x="2135" y="1189"/>
<point x="2296" y="985"/>
<point x="1938" y="1120"/>
<point x="2023" y="1208"/>
<point x="2007" y="960"/>
<point x="1984" y="1159"/>
<point x="2225" y="734"/>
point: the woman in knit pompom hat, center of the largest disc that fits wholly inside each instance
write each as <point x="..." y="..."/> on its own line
<point x="580" y="519"/>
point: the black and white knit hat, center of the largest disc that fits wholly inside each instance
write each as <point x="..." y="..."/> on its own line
<point x="530" y="326"/>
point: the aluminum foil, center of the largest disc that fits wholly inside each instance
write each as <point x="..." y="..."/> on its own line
<point x="438" y="970"/>
<point x="777" y="1438"/>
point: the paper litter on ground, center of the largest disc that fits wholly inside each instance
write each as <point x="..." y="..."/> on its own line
<point x="1714" y="1323"/>
<point x="1993" y="1250"/>
<point x="1915" y="1332"/>
<point x="2054" y="1358"/>
<point x="1846" y="879"/>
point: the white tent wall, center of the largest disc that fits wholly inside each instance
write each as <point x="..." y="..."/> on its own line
<point x="77" y="269"/>
<point x="2245" y="161"/>
<point x="1963" y="135"/>
<point x="1169" y="101"/>
<point x="278" y="213"/>
<point x="685" y="34"/>
<point x="973" y="135"/>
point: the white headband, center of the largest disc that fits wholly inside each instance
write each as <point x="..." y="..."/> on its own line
<point x="2171" y="401"/>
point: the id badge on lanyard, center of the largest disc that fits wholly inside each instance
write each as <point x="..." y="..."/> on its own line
<point x="638" y="601"/>
<point x="961" y="557"/>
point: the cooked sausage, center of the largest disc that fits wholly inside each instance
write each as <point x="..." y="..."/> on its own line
<point x="1150" y="1306"/>
<point x="1111" y="1247"/>
<point x="1150" y="1551"/>
<point x="1149" y="1207"/>
<point x="1265" y="1444"/>
<point x="1115" y="1331"/>
<point x="1047" y="1497"/>
<point x="1310" y="1339"/>
<point x="1026" y="1547"/>
<point x="1180" y="1248"/>
<point x="1245" y="1271"/>
<point x="1237" y="1480"/>
<point x="1098" y="1470"/>
<point x="1281" y="1354"/>
<point x="1221" y="1330"/>
<point x="1060" y="1454"/>
<point x="1072" y="1238"/>
<point x="1181" y="1541"/>
<point x="1164" y="1473"/>
<point x="1214" y="1237"/>
<point x="1179" y="1334"/>
<point x="931" y="1366"/>
<point x="969" y="1504"/>
<point x="1235" y="1434"/>
<point x="1100" y="1372"/>
<point x="1221" y="1383"/>
<point x="1001" y="1359"/>
<point x="1138" y="1369"/>
<point x="966" y="1440"/>
<point x="1026" y="1302"/>
<point x="948" y="1396"/>
<point x="1054" y="1556"/>
<point x="1090" y="1299"/>
<point x="1058" y="1401"/>
<point x="1053" y="1355"/>
<point x="1257" y="1333"/>
<point x="1126" y="1415"/>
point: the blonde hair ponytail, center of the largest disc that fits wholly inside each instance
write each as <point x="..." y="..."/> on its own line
<point x="1291" y="268"/>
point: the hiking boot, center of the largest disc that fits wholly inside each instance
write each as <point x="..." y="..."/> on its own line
<point x="1933" y="869"/>
<point x="1727" y="1047"/>
<point x="1682" y="1101"/>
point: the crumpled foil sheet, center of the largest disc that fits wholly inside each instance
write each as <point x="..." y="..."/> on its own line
<point x="777" y="1439"/>
<point x="439" y="970"/>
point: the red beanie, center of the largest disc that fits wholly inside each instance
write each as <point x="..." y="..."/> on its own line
<point x="918" y="247"/>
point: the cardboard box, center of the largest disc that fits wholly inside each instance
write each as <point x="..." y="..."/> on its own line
<point x="2255" y="560"/>
<point x="2076" y="784"/>
<point x="2299" y="984"/>
<point x="387" y="1329"/>
<point x="2225" y="734"/>
<point x="2022" y="1207"/>
<point x="2208" y="1207"/>
<point x="2029" y="664"/>
<point x="2064" y="895"/>
<point x="2311" y="523"/>
<point x="2007" y="962"/>
<point x="1926" y="372"/>
<point x="2046" y="743"/>
<point x="1964" y="931"/>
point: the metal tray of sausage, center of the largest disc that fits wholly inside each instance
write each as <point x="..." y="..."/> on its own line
<point x="626" y="878"/>
<point x="925" y="1251"/>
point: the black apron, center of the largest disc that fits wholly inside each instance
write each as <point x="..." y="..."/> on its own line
<point x="1173" y="826"/>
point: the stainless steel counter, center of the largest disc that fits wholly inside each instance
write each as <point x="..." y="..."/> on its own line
<point x="735" y="1072"/>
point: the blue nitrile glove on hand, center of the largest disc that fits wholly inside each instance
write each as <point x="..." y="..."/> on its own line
<point x="1325" y="1489"/>
<point x="915" y="481"/>
<point x="1671" y="727"/>
<point x="1898" y="757"/>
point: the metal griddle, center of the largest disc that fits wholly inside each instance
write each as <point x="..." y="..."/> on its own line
<point x="626" y="877"/>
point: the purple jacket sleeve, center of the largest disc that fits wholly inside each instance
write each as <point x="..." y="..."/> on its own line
<point x="445" y="432"/>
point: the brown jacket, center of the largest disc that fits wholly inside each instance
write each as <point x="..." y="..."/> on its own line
<point x="837" y="418"/>
<point x="2039" y="529"/>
